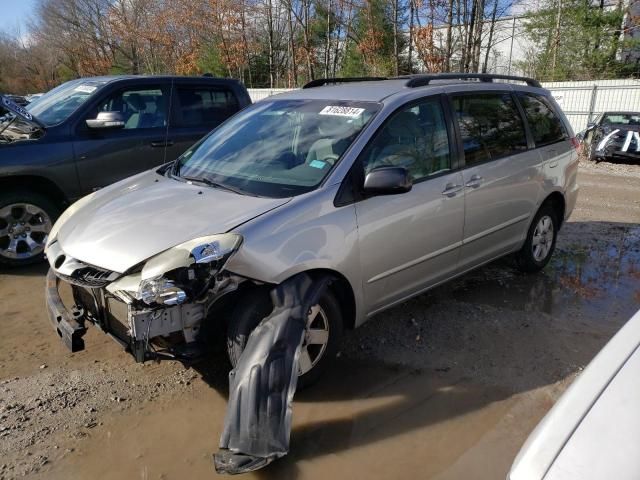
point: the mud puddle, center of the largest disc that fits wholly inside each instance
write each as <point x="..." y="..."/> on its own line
<point x="596" y="273"/>
<point x="365" y="421"/>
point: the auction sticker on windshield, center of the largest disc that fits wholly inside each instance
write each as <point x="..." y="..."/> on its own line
<point x="341" y="111"/>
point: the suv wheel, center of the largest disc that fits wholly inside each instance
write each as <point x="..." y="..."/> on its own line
<point x="541" y="241"/>
<point x="321" y="338"/>
<point x="26" y="219"/>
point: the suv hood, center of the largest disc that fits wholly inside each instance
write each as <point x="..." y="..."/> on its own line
<point x="137" y="218"/>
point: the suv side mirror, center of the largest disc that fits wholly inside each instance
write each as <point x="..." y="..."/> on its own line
<point x="387" y="181"/>
<point x="107" y="120"/>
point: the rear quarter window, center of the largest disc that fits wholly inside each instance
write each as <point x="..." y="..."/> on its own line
<point x="545" y="125"/>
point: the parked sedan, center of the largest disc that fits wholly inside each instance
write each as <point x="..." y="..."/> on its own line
<point x="593" y="432"/>
<point x="613" y="135"/>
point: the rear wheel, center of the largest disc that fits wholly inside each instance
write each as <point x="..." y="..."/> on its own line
<point x="321" y="338"/>
<point x="26" y="219"/>
<point x="541" y="241"/>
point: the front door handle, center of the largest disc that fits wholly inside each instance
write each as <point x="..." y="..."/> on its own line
<point x="162" y="143"/>
<point x="474" y="182"/>
<point x="451" y="189"/>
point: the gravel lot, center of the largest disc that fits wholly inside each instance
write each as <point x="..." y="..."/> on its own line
<point x="447" y="385"/>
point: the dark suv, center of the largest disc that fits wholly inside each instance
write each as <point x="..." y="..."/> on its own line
<point x="91" y="132"/>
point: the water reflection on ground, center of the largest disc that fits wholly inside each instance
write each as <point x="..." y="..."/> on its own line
<point x="599" y="276"/>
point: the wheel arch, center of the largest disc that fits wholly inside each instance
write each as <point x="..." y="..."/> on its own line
<point x="558" y="203"/>
<point x="340" y="287"/>
<point x="37" y="184"/>
<point x="343" y="291"/>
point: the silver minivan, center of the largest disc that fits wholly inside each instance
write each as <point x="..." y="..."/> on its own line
<point x="389" y="187"/>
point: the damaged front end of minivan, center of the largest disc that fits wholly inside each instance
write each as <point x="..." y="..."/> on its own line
<point x="155" y="309"/>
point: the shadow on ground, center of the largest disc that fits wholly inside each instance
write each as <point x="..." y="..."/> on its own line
<point x="39" y="269"/>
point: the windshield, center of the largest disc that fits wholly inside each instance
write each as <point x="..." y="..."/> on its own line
<point x="57" y="105"/>
<point x="621" y="118"/>
<point x="277" y="148"/>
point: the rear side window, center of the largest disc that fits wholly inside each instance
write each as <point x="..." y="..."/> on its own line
<point x="545" y="125"/>
<point x="207" y="106"/>
<point x="490" y="126"/>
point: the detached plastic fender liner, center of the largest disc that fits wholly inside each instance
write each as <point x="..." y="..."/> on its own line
<point x="257" y="424"/>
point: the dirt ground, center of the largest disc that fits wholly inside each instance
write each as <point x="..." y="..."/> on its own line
<point x="445" y="386"/>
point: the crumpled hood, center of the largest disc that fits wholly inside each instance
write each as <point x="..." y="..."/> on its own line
<point x="619" y="139"/>
<point x="137" y="218"/>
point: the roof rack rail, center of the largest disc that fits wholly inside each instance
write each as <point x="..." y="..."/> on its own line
<point x="319" y="82"/>
<point x="422" y="80"/>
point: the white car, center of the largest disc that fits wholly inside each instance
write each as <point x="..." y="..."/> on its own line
<point x="593" y="432"/>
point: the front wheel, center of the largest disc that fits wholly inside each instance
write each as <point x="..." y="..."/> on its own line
<point x="321" y="337"/>
<point x="541" y="241"/>
<point x="26" y="219"/>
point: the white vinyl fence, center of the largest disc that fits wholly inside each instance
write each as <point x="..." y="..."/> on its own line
<point x="257" y="94"/>
<point x="583" y="101"/>
<point x="580" y="101"/>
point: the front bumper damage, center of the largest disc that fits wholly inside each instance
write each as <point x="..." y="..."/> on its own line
<point x="155" y="308"/>
<point x="147" y="333"/>
<point x="619" y="144"/>
<point x="258" y="421"/>
<point x="69" y="325"/>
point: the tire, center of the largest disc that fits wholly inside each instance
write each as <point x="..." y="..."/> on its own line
<point x="26" y="219"/>
<point x="533" y="258"/>
<point x="256" y="304"/>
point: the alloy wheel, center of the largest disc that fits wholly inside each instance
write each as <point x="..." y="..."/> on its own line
<point x="315" y="341"/>
<point x="542" y="238"/>
<point x="23" y="231"/>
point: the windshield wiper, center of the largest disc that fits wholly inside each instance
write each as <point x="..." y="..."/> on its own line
<point x="211" y="183"/>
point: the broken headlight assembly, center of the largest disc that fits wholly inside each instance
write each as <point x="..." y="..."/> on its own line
<point x="181" y="273"/>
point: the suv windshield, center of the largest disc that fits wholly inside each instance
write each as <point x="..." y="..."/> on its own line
<point x="57" y="105"/>
<point x="277" y="148"/>
<point x="621" y="118"/>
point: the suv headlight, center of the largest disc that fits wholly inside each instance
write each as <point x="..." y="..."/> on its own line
<point x="179" y="273"/>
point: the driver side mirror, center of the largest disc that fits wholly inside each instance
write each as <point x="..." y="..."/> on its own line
<point x="387" y="181"/>
<point x="107" y="120"/>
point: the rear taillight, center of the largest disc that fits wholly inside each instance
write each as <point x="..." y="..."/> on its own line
<point x="576" y="144"/>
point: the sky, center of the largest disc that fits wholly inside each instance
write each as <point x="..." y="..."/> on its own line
<point x="14" y="14"/>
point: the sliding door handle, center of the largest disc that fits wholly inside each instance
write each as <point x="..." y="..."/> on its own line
<point x="451" y="189"/>
<point x="474" y="182"/>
